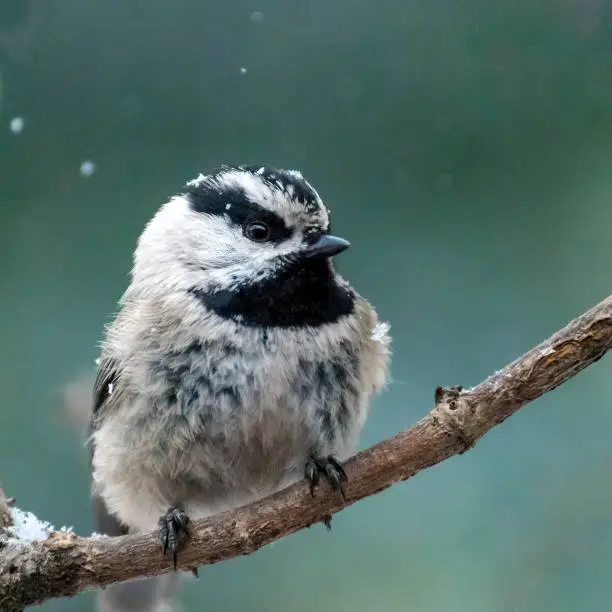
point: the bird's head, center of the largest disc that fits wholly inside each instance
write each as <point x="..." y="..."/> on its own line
<point x="249" y="237"/>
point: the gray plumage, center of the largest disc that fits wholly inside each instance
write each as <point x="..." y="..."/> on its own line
<point x="233" y="360"/>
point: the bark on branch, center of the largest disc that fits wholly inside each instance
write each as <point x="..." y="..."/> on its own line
<point x="65" y="564"/>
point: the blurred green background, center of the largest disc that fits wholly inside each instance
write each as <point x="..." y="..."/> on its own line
<point x="464" y="147"/>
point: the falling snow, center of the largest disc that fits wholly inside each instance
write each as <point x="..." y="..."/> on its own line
<point x="87" y="168"/>
<point x="17" y="124"/>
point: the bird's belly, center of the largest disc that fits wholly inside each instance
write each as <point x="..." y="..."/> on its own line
<point x="254" y="455"/>
<point x="241" y="456"/>
<point x="210" y="448"/>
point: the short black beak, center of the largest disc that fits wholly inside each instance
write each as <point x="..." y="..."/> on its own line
<point x="326" y="246"/>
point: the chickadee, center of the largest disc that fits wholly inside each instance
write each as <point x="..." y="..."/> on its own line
<point x="239" y="360"/>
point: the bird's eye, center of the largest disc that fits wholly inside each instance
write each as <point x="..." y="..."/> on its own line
<point x="257" y="231"/>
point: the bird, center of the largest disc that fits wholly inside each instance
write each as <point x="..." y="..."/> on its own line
<point x="239" y="360"/>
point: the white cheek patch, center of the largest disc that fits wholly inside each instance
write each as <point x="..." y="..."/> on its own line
<point x="251" y="262"/>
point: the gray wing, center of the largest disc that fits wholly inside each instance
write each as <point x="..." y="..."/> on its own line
<point x="150" y="594"/>
<point x="108" y="374"/>
<point x="106" y="377"/>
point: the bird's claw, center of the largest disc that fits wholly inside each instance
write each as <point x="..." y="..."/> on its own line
<point x="330" y="468"/>
<point x="173" y="528"/>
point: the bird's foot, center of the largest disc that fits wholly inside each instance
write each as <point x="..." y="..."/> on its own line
<point x="330" y="468"/>
<point x="173" y="529"/>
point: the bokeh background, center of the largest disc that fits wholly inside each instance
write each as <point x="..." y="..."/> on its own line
<point x="465" y="149"/>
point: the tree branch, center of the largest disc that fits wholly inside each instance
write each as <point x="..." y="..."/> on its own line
<point x="65" y="564"/>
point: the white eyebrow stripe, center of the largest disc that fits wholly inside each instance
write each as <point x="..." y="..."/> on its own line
<point x="273" y="194"/>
